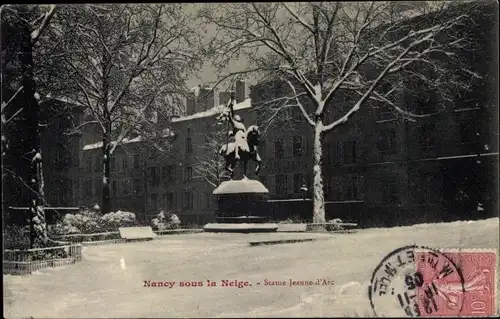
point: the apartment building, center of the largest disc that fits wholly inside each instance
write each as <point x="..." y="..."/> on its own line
<point x="379" y="169"/>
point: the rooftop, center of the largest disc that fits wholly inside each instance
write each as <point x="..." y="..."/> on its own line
<point x="214" y="111"/>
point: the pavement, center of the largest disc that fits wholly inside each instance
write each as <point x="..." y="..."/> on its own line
<point x="116" y="280"/>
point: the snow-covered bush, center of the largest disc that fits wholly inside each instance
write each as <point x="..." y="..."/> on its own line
<point x="88" y="221"/>
<point x="113" y="221"/>
<point x="335" y="224"/>
<point x="165" y="220"/>
<point x="84" y="223"/>
<point x="291" y="220"/>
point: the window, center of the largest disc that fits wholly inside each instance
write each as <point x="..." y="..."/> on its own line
<point x="279" y="150"/>
<point x="338" y="156"/>
<point x="59" y="157"/>
<point x="126" y="187"/>
<point x="281" y="184"/>
<point x="61" y="193"/>
<point x="297" y="146"/>
<point x="169" y="201"/>
<point x="387" y="141"/>
<point x="137" y="186"/>
<point x="427" y="135"/>
<point x="188" y="200"/>
<point x="349" y="152"/>
<point x="167" y="173"/>
<point x="338" y="190"/>
<point x="164" y="173"/>
<point x="351" y="188"/>
<point x="153" y="198"/>
<point x="125" y="162"/>
<point x="426" y="101"/>
<point x="112" y="163"/>
<point x="208" y="200"/>
<point x="154" y="178"/>
<point x="97" y="162"/>
<point x="76" y="186"/>
<point x="389" y="190"/>
<point x="329" y="152"/>
<point x="87" y="188"/>
<point x="114" y="189"/>
<point x="136" y="161"/>
<point x="97" y="185"/>
<point x="468" y="130"/>
<point x="429" y="187"/>
<point x="298" y="180"/>
<point x="88" y="164"/>
<point x="188" y="173"/>
<point x="296" y="113"/>
<point x="189" y="145"/>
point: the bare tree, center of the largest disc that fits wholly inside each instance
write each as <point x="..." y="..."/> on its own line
<point x="125" y="65"/>
<point x="323" y="52"/>
<point x="210" y="165"/>
<point x="25" y="24"/>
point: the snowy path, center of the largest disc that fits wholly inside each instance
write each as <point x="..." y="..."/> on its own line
<point x="100" y="287"/>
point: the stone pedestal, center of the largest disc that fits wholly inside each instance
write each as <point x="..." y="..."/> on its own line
<point x="241" y="207"/>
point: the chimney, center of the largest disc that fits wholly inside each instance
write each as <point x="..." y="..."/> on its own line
<point x="207" y="99"/>
<point x="241" y="91"/>
<point x="224" y="97"/>
<point x="191" y="103"/>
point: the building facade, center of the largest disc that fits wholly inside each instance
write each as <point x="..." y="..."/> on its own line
<point x="378" y="169"/>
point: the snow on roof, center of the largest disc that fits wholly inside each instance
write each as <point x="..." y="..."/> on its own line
<point x="213" y="111"/>
<point x="124" y="141"/>
<point x="243" y="186"/>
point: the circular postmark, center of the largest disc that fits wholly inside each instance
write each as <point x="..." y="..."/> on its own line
<point x="416" y="281"/>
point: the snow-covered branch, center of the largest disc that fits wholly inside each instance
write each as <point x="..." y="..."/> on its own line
<point x="5" y="104"/>
<point x="35" y="34"/>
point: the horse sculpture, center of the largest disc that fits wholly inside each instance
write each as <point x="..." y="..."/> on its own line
<point x="244" y="148"/>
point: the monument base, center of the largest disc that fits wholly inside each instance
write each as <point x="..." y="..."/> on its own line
<point x="242" y="202"/>
<point x="240" y="228"/>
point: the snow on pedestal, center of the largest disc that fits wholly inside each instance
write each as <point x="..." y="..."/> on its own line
<point x="243" y="186"/>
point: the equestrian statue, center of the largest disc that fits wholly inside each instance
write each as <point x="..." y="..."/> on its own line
<point x="243" y="146"/>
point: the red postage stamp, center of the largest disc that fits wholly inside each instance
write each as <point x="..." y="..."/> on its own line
<point x="470" y="291"/>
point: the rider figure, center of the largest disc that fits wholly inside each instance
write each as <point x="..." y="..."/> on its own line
<point x="237" y="125"/>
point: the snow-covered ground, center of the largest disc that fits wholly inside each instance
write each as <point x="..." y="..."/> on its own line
<point x="109" y="281"/>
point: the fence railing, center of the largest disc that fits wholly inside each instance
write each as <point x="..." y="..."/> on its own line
<point x="21" y="262"/>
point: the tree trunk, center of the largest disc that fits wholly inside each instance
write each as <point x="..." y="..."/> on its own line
<point x="318" y="194"/>
<point x="38" y="227"/>
<point x="106" y="146"/>
<point x="106" y="143"/>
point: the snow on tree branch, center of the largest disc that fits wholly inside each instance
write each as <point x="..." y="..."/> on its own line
<point x="35" y="34"/>
<point x="330" y="55"/>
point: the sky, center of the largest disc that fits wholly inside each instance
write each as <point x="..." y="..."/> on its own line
<point x="208" y="73"/>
